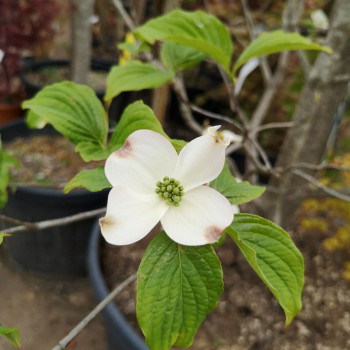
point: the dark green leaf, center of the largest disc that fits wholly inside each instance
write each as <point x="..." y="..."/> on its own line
<point x="196" y="30"/>
<point x="274" y="257"/>
<point x="177" y="287"/>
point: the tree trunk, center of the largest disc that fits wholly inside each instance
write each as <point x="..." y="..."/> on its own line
<point x="82" y="11"/>
<point x="323" y="91"/>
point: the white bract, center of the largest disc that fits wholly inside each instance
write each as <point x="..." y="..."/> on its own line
<point x="152" y="183"/>
<point x="320" y="19"/>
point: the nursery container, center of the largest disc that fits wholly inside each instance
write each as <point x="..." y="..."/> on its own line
<point x="32" y="66"/>
<point x="58" y="250"/>
<point x="121" y="335"/>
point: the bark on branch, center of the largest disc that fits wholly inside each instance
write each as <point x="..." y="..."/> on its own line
<point x="306" y="141"/>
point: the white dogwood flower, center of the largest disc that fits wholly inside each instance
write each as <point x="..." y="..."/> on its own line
<point x="152" y="183"/>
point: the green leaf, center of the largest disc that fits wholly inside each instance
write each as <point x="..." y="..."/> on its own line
<point x="73" y="110"/>
<point x="135" y="76"/>
<point x="197" y="30"/>
<point x="235" y="192"/>
<point x="134" y="48"/>
<point x="12" y="334"/>
<point x="93" y="180"/>
<point x="274" y="257"/>
<point x="34" y="121"/>
<point x="178" y="144"/>
<point x="2" y="235"/>
<point x="91" y="151"/>
<point x="129" y="47"/>
<point x="6" y="163"/>
<point x="178" y="57"/>
<point x="177" y="287"/>
<point x="274" y="42"/>
<point x="136" y="116"/>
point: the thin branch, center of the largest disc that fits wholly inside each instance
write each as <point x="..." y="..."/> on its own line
<point x="265" y="68"/>
<point x="276" y="125"/>
<point x="304" y="63"/>
<point x="234" y="105"/>
<point x="41" y="225"/>
<point x="233" y="148"/>
<point x="319" y="166"/>
<point x="180" y="90"/>
<point x="215" y="116"/>
<point x="208" y="114"/>
<point x="320" y="186"/>
<point x="127" y="19"/>
<point x="293" y="11"/>
<point x="260" y="168"/>
<point x="270" y="91"/>
<point x="83" y="323"/>
<point x="292" y="14"/>
<point x="262" y="154"/>
<point x="10" y="220"/>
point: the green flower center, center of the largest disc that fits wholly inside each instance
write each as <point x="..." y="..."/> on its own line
<point x="170" y="190"/>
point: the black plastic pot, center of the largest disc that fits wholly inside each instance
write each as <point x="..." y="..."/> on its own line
<point x="121" y="335"/>
<point x="59" y="250"/>
<point x="30" y="65"/>
<point x="118" y="103"/>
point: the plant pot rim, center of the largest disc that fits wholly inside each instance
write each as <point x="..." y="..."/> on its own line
<point x="117" y="326"/>
<point x="31" y="65"/>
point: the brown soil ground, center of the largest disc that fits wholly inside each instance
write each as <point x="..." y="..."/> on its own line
<point x="248" y="317"/>
<point x="46" y="308"/>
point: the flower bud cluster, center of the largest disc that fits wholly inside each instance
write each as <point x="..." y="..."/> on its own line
<point x="170" y="190"/>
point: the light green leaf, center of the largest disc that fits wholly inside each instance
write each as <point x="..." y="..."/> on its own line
<point x="178" y="144"/>
<point x="12" y="334"/>
<point x="136" y="116"/>
<point x="134" y="48"/>
<point x="177" y="287"/>
<point x="6" y="163"/>
<point x="34" y="121"/>
<point x="74" y="110"/>
<point x="197" y="30"/>
<point x="91" y="151"/>
<point x="235" y="192"/>
<point x="93" y="180"/>
<point x="274" y="257"/>
<point x="2" y="235"/>
<point x="274" y="42"/>
<point x="129" y="47"/>
<point x="178" y="57"/>
<point x="135" y="76"/>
